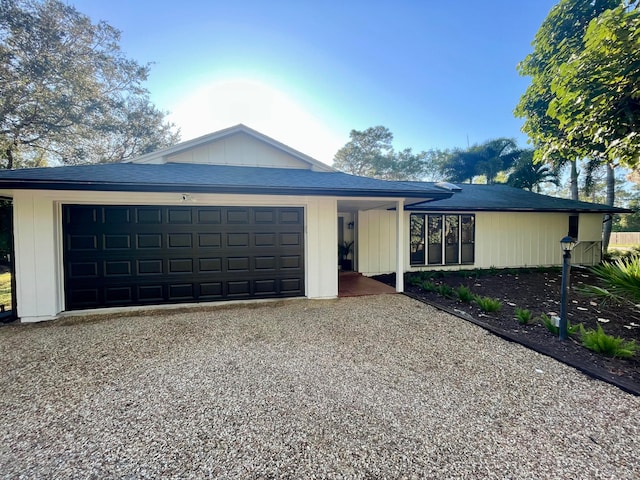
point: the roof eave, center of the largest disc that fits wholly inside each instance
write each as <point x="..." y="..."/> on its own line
<point x="421" y="196"/>
<point x="520" y="210"/>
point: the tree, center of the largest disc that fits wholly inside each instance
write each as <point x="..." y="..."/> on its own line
<point x="559" y="39"/>
<point x="583" y="100"/>
<point x="370" y="153"/>
<point x="69" y="94"/>
<point x="490" y="159"/>
<point x="530" y="175"/>
<point x="596" y="94"/>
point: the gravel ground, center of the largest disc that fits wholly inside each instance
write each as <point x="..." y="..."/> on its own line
<point x="368" y="387"/>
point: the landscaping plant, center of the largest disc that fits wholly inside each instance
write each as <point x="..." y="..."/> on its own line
<point x="428" y="286"/>
<point x="523" y="316"/>
<point x="445" y="290"/>
<point x="464" y="294"/>
<point x="548" y="322"/>
<point x="488" y="304"/>
<point x="600" y="342"/>
<point x="620" y="280"/>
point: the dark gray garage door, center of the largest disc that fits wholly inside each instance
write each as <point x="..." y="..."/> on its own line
<point x="140" y="255"/>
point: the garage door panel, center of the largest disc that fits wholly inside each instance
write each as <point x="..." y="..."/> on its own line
<point x="138" y="255"/>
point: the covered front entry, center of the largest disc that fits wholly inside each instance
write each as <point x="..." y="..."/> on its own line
<point x="118" y="255"/>
<point x="377" y="228"/>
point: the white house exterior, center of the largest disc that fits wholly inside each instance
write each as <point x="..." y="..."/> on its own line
<point x="236" y="215"/>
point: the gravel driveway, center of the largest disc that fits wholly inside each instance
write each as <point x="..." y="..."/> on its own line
<point x="367" y="387"/>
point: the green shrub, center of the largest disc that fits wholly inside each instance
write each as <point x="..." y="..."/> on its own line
<point x="523" y="315"/>
<point x="464" y="294"/>
<point x="620" y="280"/>
<point x="446" y="291"/>
<point x="428" y="286"/>
<point x="600" y="342"/>
<point x="488" y="304"/>
<point x="550" y="324"/>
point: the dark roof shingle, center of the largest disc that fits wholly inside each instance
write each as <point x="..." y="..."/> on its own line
<point x="179" y="177"/>
<point x="503" y="198"/>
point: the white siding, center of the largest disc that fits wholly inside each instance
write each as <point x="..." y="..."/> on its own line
<point x="37" y="229"/>
<point x="376" y="245"/>
<point x="239" y="150"/>
<point x="503" y="240"/>
<point x="590" y="227"/>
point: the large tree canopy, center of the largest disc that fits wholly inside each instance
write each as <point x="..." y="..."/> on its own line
<point x="559" y="39"/>
<point x="68" y="93"/>
<point x="370" y="153"/>
<point x="597" y="93"/>
<point x="583" y="101"/>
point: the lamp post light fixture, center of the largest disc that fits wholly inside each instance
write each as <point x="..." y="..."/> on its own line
<point x="567" y="244"/>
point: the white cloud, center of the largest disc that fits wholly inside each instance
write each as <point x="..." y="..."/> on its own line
<point x="226" y="103"/>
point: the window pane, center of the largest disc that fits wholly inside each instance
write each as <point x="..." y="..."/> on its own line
<point x="417" y="239"/>
<point x="573" y="226"/>
<point x="452" y="238"/>
<point x="467" y="238"/>
<point x="435" y="239"/>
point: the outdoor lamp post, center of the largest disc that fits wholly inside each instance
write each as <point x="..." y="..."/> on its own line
<point x="567" y="244"/>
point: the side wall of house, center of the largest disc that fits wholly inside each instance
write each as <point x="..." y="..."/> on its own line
<point x="502" y="240"/>
<point x="38" y="234"/>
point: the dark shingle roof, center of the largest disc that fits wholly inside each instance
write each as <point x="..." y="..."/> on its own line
<point x="181" y="177"/>
<point x="502" y="198"/>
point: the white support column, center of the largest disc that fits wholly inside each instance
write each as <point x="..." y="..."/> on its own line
<point x="400" y="246"/>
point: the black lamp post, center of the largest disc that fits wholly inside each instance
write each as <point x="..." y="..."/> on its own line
<point x="567" y="244"/>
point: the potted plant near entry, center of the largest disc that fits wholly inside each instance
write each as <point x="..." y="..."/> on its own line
<point x="344" y="250"/>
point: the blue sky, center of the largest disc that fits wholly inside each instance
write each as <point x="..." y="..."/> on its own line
<point x="437" y="74"/>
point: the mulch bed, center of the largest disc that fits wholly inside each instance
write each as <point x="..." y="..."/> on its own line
<point x="539" y="292"/>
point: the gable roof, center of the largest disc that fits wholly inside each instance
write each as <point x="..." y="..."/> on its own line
<point x="503" y="198"/>
<point x="161" y="156"/>
<point x="204" y="178"/>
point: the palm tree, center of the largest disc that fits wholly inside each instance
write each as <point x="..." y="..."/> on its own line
<point x="529" y="175"/>
<point x="489" y="159"/>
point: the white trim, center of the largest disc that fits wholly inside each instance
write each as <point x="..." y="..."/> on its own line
<point x="400" y="246"/>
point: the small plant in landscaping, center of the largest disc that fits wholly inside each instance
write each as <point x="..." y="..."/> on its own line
<point x="445" y="290"/>
<point x="549" y="323"/>
<point x="464" y="294"/>
<point x="600" y="342"/>
<point x="488" y="304"/>
<point x="428" y="286"/>
<point x="523" y="316"/>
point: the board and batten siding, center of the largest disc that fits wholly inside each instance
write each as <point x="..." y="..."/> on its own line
<point x="38" y="231"/>
<point x="502" y="240"/>
<point x="238" y="150"/>
<point x="376" y="242"/>
<point x="524" y="239"/>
